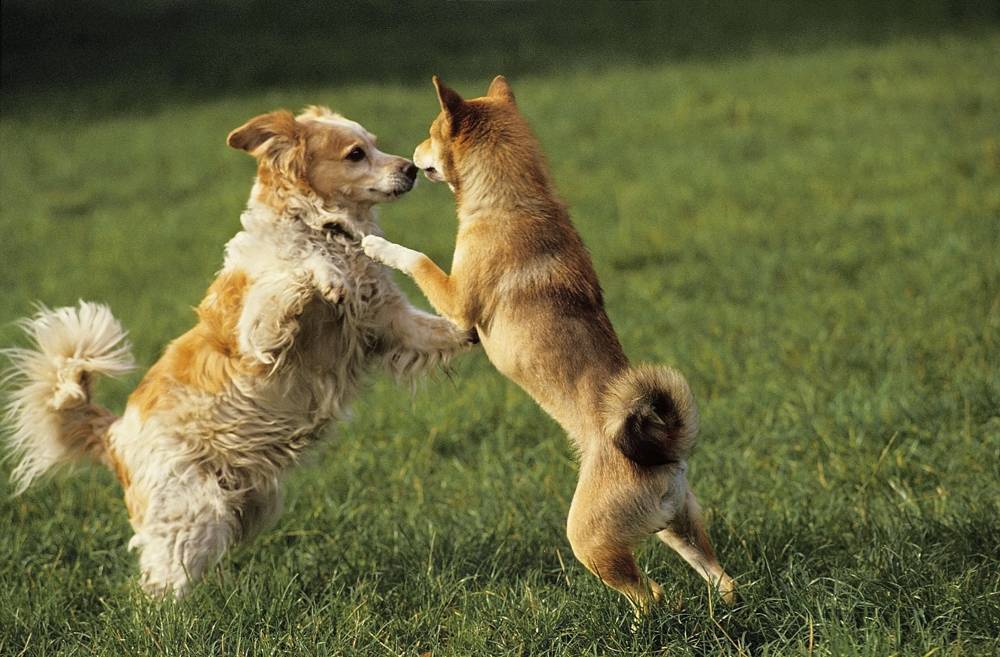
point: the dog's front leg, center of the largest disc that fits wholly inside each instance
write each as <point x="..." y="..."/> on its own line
<point x="417" y="341"/>
<point x="436" y="285"/>
<point x="326" y="278"/>
<point x="269" y="319"/>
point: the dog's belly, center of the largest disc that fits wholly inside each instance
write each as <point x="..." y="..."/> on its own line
<point x="257" y="425"/>
<point x="561" y="364"/>
<point x="329" y="359"/>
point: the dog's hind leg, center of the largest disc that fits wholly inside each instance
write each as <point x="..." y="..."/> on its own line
<point x="184" y="532"/>
<point x="258" y="510"/>
<point x="615" y="566"/>
<point x="605" y="546"/>
<point x="687" y="536"/>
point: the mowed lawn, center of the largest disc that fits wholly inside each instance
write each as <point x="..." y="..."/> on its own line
<point x="812" y="238"/>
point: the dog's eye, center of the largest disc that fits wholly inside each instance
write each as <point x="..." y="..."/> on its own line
<point x="356" y="155"/>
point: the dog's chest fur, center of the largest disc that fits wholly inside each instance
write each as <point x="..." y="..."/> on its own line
<point x="335" y="342"/>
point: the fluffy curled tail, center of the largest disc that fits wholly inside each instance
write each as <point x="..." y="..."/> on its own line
<point x="650" y="415"/>
<point x="49" y="412"/>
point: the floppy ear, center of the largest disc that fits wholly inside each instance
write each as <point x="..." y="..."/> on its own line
<point x="451" y="102"/>
<point x="500" y="89"/>
<point x="276" y="139"/>
<point x="259" y="130"/>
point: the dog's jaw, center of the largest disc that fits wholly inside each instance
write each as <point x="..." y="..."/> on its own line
<point x="424" y="159"/>
<point x="400" y="185"/>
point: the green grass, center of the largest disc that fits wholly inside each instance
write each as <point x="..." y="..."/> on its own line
<point x="812" y="236"/>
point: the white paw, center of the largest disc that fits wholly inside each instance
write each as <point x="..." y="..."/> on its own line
<point x="392" y="255"/>
<point x="264" y="357"/>
<point x="243" y="340"/>
<point x="376" y="248"/>
<point x="249" y="341"/>
<point x="330" y="286"/>
<point x="157" y="589"/>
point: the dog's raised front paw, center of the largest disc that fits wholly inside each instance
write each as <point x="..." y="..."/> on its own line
<point x="251" y="342"/>
<point x="333" y="293"/>
<point x="382" y="250"/>
<point x="264" y="357"/>
<point x="330" y="286"/>
<point x="376" y="248"/>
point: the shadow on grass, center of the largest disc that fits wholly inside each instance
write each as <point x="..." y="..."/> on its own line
<point x="112" y="55"/>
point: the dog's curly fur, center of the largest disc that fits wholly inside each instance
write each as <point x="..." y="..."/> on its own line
<point x="285" y="334"/>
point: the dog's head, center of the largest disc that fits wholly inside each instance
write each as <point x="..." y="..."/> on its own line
<point x="489" y="125"/>
<point x="322" y="153"/>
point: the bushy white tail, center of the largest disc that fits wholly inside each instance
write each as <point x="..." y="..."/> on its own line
<point x="49" y="412"/>
<point x="650" y="415"/>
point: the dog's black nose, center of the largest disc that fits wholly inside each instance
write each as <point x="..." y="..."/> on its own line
<point x="411" y="171"/>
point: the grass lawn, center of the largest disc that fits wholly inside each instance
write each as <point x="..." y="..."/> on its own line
<point x="811" y="235"/>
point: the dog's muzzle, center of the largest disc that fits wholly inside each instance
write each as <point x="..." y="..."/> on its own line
<point x="404" y="180"/>
<point x="403" y="185"/>
<point x="398" y="183"/>
<point x="433" y="175"/>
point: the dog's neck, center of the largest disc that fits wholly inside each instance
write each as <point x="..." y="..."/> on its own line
<point x="308" y="212"/>
<point x="512" y="187"/>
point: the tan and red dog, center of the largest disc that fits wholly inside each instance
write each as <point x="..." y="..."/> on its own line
<point x="523" y="279"/>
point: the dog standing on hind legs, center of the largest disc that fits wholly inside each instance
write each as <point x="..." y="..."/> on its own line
<point x="523" y="279"/>
<point x="284" y="338"/>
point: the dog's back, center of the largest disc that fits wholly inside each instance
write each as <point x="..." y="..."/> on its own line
<point x="529" y="281"/>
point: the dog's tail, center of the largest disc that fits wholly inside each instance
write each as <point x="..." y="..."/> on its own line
<point x="49" y="411"/>
<point x="650" y="415"/>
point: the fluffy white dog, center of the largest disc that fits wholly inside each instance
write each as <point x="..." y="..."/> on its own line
<point x="284" y="336"/>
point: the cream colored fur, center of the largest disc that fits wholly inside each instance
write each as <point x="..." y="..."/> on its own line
<point x="201" y="455"/>
<point x="52" y="422"/>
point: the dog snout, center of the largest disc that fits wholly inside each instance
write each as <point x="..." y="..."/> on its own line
<point x="410" y="170"/>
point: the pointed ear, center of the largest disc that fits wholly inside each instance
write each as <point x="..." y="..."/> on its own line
<point x="500" y="89"/>
<point x="451" y="102"/>
<point x="280" y="126"/>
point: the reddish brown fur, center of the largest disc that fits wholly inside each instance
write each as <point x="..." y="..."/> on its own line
<point x="279" y="143"/>
<point x="206" y="357"/>
<point x="523" y="278"/>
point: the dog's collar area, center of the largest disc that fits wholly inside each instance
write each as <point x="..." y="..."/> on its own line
<point x="333" y="229"/>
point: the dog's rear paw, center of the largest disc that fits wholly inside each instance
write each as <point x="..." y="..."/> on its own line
<point x="727" y="589"/>
<point x="157" y="586"/>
